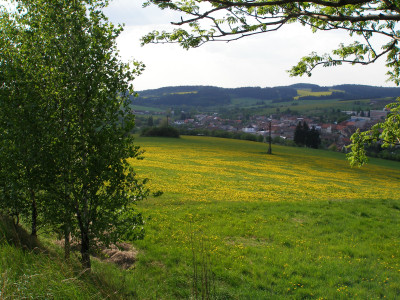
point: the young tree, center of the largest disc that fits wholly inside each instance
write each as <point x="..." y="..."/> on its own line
<point x="23" y="124"/>
<point x="299" y="135"/>
<point x="82" y="88"/>
<point x="304" y="136"/>
<point x="313" y="140"/>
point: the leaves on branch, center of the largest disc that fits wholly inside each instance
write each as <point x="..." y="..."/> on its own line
<point x="225" y="20"/>
<point x="387" y="134"/>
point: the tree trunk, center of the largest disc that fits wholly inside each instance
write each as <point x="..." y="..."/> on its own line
<point x="85" y="249"/>
<point x="85" y="240"/>
<point x="34" y="214"/>
<point x="269" y="139"/>
<point x="67" y="242"/>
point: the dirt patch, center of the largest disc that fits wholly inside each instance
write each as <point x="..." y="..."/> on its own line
<point x="123" y="254"/>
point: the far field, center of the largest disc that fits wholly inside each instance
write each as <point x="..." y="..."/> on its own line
<point x="296" y="224"/>
<point x="298" y="105"/>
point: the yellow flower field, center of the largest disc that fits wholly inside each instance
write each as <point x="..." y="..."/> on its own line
<point x="300" y="223"/>
<point x="204" y="173"/>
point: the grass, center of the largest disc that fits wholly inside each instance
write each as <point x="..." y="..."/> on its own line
<point x="236" y="223"/>
<point x="309" y="107"/>
<point x="33" y="270"/>
<point x="298" y="224"/>
<point x="147" y="108"/>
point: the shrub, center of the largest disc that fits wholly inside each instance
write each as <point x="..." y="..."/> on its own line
<point x="164" y="131"/>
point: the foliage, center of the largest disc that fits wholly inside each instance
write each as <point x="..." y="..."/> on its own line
<point x="386" y="133"/>
<point x="24" y="124"/>
<point x="223" y="20"/>
<point x="201" y="97"/>
<point x="67" y="120"/>
<point x="163" y="131"/>
<point x="304" y="136"/>
<point x="300" y="133"/>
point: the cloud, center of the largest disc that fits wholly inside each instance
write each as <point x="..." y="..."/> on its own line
<point x="260" y="60"/>
<point x="132" y="13"/>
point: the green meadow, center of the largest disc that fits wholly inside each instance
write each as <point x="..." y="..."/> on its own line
<point x="236" y="223"/>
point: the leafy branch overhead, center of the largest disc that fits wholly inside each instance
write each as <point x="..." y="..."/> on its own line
<point x="387" y="134"/>
<point x="228" y="20"/>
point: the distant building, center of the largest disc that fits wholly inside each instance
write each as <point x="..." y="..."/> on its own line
<point x="249" y="129"/>
<point x="378" y="114"/>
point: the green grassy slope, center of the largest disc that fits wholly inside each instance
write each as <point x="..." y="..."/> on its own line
<point x="33" y="270"/>
<point x="236" y="223"/>
<point x="298" y="224"/>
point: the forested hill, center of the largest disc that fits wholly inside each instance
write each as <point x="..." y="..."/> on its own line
<point x="215" y="96"/>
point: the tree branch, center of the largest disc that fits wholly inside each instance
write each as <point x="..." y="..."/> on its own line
<point x="252" y="3"/>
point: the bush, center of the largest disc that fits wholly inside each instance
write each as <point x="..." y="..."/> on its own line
<point x="164" y="131"/>
<point x="248" y="137"/>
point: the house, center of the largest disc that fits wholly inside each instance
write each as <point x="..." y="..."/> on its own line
<point x="249" y="129"/>
<point x="378" y="114"/>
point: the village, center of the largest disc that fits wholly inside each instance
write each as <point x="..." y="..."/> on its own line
<point x="334" y="136"/>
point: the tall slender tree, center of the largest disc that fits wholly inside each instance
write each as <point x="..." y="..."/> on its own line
<point x="300" y="134"/>
<point x="313" y="140"/>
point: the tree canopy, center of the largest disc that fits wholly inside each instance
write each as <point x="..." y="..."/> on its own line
<point x="304" y="136"/>
<point x="227" y="20"/>
<point x="66" y="122"/>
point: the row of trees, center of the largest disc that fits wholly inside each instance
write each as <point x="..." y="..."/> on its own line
<point x="65" y="123"/>
<point x="304" y="136"/>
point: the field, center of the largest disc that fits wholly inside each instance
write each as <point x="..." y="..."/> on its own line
<point x="308" y="92"/>
<point x="236" y="223"/>
<point x="308" y="107"/>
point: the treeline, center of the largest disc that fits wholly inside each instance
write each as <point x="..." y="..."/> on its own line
<point x="237" y="135"/>
<point x="161" y="131"/>
<point x="207" y="96"/>
<point x="203" y="96"/>
<point x="376" y="150"/>
<point x="275" y="93"/>
<point x="222" y="134"/>
<point x="304" y="136"/>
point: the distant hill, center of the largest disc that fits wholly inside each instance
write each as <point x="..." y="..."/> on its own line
<point x="207" y="96"/>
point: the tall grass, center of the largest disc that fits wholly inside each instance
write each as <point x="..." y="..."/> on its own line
<point x="29" y="270"/>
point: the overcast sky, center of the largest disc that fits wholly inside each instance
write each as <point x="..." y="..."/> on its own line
<point x="260" y="60"/>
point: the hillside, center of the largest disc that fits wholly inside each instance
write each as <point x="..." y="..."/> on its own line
<point x="297" y="224"/>
<point x="30" y="269"/>
<point x="236" y="223"/>
<point x="206" y="96"/>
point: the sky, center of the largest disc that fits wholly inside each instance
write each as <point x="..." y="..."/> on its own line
<point x="261" y="60"/>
